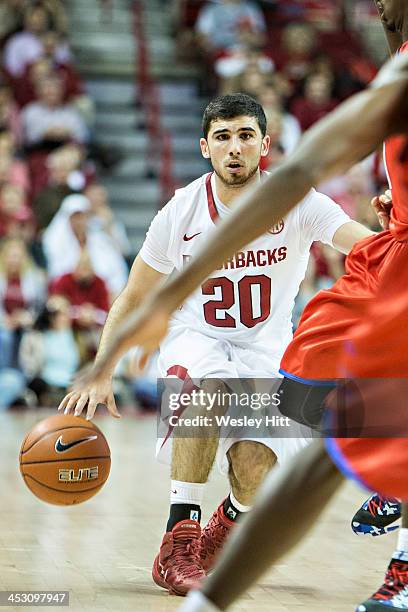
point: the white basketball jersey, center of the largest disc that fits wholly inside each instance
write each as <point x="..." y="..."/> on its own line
<point x="250" y="299"/>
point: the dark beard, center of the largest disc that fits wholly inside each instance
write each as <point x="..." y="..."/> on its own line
<point x="236" y="181"/>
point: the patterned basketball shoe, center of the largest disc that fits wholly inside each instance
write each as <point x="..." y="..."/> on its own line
<point x="376" y="516"/>
<point x="177" y="567"/>
<point x="213" y="537"/>
<point x="393" y="594"/>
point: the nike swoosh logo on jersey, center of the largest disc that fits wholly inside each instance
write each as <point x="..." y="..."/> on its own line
<point x="187" y="238"/>
<point x="60" y="447"/>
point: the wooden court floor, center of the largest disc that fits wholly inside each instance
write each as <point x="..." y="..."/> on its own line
<point x="102" y="551"/>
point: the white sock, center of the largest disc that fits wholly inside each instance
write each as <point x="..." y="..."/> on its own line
<point x="186" y="492"/>
<point x="238" y="505"/>
<point x="197" y="602"/>
<point x="402" y="545"/>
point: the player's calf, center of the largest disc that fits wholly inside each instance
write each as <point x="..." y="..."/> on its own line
<point x="249" y="463"/>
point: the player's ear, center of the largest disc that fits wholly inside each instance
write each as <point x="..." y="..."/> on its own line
<point x="205" y="151"/>
<point x="266" y="143"/>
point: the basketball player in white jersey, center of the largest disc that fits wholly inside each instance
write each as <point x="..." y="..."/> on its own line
<point x="237" y="325"/>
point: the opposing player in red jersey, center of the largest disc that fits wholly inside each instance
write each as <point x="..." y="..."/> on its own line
<point x="300" y="492"/>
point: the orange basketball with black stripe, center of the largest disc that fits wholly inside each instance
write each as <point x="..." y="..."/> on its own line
<point x="65" y="460"/>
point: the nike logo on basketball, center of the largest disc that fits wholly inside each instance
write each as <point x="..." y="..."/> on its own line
<point x="187" y="238"/>
<point x="60" y="447"/>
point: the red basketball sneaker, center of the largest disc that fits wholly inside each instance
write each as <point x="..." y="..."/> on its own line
<point x="213" y="537"/>
<point x="177" y="567"/>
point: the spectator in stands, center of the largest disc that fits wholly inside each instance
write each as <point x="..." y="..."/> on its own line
<point x="50" y="122"/>
<point x="48" y="354"/>
<point x="271" y="102"/>
<point x="64" y="178"/>
<point x="74" y="92"/>
<point x="25" y="86"/>
<point x="88" y="296"/>
<point x="353" y="191"/>
<point x="86" y="292"/>
<point x="229" y="23"/>
<point x="102" y="217"/>
<point x="7" y="144"/>
<point x="16" y="218"/>
<point x="22" y="294"/>
<point x="69" y="232"/>
<point x="9" y="114"/>
<point x="12" y="170"/>
<point x="231" y="68"/>
<point x="26" y="46"/>
<point x="316" y="101"/>
<point x="349" y="77"/>
<point x="324" y="14"/>
<point x="296" y="52"/>
<point x="56" y="11"/>
<point x="252" y="82"/>
<point x="10" y="17"/>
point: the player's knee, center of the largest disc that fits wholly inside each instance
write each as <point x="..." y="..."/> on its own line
<point x="250" y="462"/>
<point x="303" y="403"/>
<point x="214" y="390"/>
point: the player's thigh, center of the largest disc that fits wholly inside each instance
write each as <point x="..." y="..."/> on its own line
<point x="188" y="352"/>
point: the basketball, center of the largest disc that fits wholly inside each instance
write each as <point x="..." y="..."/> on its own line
<point x="65" y="460"/>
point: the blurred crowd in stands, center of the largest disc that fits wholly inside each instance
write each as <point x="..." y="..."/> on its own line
<point x="62" y="252"/>
<point x="63" y="255"/>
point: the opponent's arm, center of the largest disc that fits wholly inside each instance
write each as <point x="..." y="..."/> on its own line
<point x="394" y="39"/>
<point x="142" y="279"/>
<point x="353" y="231"/>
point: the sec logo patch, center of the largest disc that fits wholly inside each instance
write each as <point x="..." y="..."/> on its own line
<point x="277" y="228"/>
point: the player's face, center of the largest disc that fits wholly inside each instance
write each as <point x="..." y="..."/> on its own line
<point x="392" y="13"/>
<point x="235" y="147"/>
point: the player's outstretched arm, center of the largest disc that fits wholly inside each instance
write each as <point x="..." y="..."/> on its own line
<point x="291" y="498"/>
<point x="142" y="279"/>
<point x="332" y="146"/>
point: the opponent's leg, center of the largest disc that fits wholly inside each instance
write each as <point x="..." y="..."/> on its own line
<point x="393" y="593"/>
<point x="249" y="463"/>
<point x="178" y="567"/>
<point x="292" y="498"/>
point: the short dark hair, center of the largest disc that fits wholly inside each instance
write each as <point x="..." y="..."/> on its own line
<point x="231" y="106"/>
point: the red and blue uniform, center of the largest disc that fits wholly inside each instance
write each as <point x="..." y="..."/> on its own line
<point x="359" y="329"/>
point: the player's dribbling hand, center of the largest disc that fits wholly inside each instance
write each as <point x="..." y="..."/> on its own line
<point x="89" y="396"/>
<point x="382" y="205"/>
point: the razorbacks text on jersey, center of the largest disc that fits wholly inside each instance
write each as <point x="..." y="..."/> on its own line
<point x="249" y="299"/>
